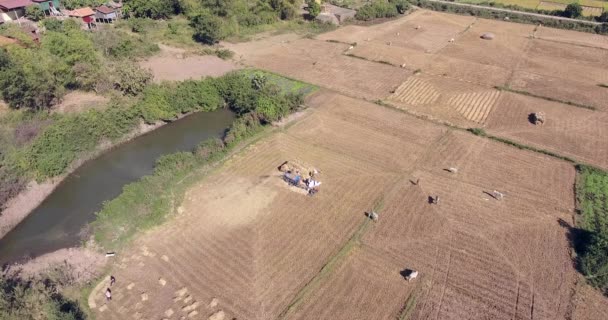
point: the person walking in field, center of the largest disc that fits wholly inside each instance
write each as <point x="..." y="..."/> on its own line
<point x="112" y="280"/>
<point x="108" y="294"/>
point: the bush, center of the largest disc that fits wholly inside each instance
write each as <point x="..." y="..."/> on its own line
<point x="573" y="10"/>
<point x="224" y="54"/>
<point x="34" y="13"/>
<point x="35" y="299"/>
<point x="603" y="17"/>
<point x="377" y="9"/>
<point x="401" y="5"/>
<point x="210" y="148"/>
<point x="313" y="8"/>
<point x="208" y="28"/>
<point x="52" y="24"/>
<point x="153" y="9"/>
<point x="31" y="86"/>
<point x="130" y="79"/>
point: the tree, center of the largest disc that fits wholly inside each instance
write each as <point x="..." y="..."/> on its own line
<point x="73" y="4"/>
<point x="33" y="79"/>
<point x="208" y="29"/>
<point x="72" y="47"/>
<point x="401" y="5"/>
<point x="34" y="13"/>
<point x="313" y="8"/>
<point x="52" y="24"/>
<point x="573" y="10"/>
<point x="603" y="17"/>
<point x="153" y="9"/>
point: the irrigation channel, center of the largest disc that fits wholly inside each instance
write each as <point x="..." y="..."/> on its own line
<point x="60" y="219"/>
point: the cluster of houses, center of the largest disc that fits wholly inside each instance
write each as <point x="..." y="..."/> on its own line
<point x="14" y="10"/>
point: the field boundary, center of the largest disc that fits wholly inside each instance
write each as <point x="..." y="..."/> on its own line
<point x="530" y="94"/>
<point x="353" y="242"/>
<point x="481" y="133"/>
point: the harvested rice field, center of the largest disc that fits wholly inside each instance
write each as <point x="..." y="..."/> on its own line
<point x="248" y="246"/>
<point x="574" y="132"/>
<point x="486" y="225"/>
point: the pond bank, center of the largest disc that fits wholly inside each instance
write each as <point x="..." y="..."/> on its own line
<point x="64" y="206"/>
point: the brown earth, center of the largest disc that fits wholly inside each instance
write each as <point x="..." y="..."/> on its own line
<point x="247" y="240"/>
<point x="244" y="245"/>
<point x="173" y="64"/>
<point x="323" y="63"/>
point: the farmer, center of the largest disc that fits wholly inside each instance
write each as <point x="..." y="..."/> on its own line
<point x="108" y="294"/>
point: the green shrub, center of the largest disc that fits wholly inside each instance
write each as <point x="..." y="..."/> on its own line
<point x="573" y="10"/>
<point x="208" y="28"/>
<point x="592" y="203"/>
<point x="129" y="78"/>
<point x="210" y="148"/>
<point x="313" y="8"/>
<point x="34" y="13"/>
<point x="52" y="24"/>
<point x="153" y="9"/>
<point x="224" y="54"/>
<point x="377" y="9"/>
<point x="36" y="299"/>
<point x="477" y="131"/>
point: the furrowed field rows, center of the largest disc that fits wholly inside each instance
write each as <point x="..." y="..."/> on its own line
<point x="475" y="106"/>
<point x="496" y="166"/>
<point x="351" y="293"/>
<point x="575" y="132"/>
<point x="416" y="92"/>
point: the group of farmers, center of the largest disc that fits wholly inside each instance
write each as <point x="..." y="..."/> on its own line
<point x="310" y="184"/>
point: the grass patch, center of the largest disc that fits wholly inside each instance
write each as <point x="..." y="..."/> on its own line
<point x="592" y="240"/>
<point x="286" y="84"/>
<point x="526" y="93"/>
<point x="298" y="26"/>
<point x="410" y="305"/>
<point x="478" y="132"/>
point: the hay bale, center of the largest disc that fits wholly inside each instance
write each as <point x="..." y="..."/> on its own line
<point x="488" y="36"/>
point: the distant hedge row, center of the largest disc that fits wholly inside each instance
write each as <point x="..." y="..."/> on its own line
<point x="491" y="13"/>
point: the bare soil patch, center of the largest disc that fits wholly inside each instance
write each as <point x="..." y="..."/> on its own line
<point x="79" y="101"/>
<point x="564" y="89"/>
<point x="505" y="50"/>
<point x="173" y="64"/>
<point x="573" y="37"/>
<point x="423" y="31"/>
<point x="76" y="265"/>
<point x="324" y="64"/>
